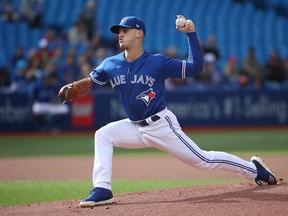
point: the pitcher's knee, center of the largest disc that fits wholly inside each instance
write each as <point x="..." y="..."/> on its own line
<point x="103" y="135"/>
<point x="205" y="162"/>
<point x="202" y="165"/>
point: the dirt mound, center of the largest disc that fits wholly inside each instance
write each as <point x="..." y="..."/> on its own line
<point x="226" y="199"/>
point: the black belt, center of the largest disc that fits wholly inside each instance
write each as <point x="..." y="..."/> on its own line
<point x="144" y="123"/>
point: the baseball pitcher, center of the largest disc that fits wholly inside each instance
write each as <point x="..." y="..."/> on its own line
<point x="138" y="78"/>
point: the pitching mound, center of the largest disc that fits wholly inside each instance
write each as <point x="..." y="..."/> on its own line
<point x="227" y="199"/>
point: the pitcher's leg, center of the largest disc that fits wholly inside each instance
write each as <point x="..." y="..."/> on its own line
<point x="103" y="155"/>
<point x="187" y="151"/>
<point x="121" y="134"/>
<point x="174" y="141"/>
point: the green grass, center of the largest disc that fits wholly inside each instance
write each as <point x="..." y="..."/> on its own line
<point x="46" y="145"/>
<point x="254" y="141"/>
<point x="250" y="142"/>
<point x="28" y="192"/>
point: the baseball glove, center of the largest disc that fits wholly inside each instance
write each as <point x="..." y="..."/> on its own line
<point x="75" y="90"/>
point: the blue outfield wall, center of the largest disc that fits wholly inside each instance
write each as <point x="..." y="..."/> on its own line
<point x="15" y="112"/>
<point x="213" y="108"/>
<point x="218" y="108"/>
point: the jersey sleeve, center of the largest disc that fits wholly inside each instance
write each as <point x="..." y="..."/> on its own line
<point x="176" y="68"/>
<point x="173" y="68"/>
<point x="194" y="63"/>
<point x="99" y="76"/>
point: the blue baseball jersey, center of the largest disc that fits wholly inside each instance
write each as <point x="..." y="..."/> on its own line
<point x="140" y="84"/>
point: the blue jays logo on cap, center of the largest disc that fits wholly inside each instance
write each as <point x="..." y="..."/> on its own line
<point x="147" y="96"/>
<point x="129" y="22"/>
<point x="124" y="19"/>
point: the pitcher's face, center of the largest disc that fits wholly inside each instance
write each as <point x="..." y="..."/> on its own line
<point x="127" y="37"/>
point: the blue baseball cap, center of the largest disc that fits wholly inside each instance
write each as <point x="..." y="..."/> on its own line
<point x="132" y="22"/>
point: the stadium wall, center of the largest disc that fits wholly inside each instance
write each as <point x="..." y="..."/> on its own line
<point x="193" y="109"/>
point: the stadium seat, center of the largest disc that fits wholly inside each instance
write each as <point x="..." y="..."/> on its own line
<point x="24" y="30"/>
<point x="237" y="24"/>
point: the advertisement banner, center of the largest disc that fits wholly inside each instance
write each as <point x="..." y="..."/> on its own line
<point x="82" y="112"/>
<point x="230" y="108"/>
<point x="193" y="109"/>
<point x="220" y="108"/>
<point x="15" y="112"/>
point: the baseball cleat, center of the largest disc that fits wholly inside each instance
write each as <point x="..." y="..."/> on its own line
<point x="98" y="196"/>
<point x="264" y="173"/>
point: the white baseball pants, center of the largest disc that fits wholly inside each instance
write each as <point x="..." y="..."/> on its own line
<point x="164" y="134"/>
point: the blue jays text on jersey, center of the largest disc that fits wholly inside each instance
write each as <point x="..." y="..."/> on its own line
<point x="144" y="79"/>
<point x="140" y="84"/>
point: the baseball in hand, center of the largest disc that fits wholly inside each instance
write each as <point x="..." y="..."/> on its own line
<point x="180" y="22"/>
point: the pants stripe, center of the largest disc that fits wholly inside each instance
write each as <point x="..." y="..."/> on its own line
<point x="201" y="156"/>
